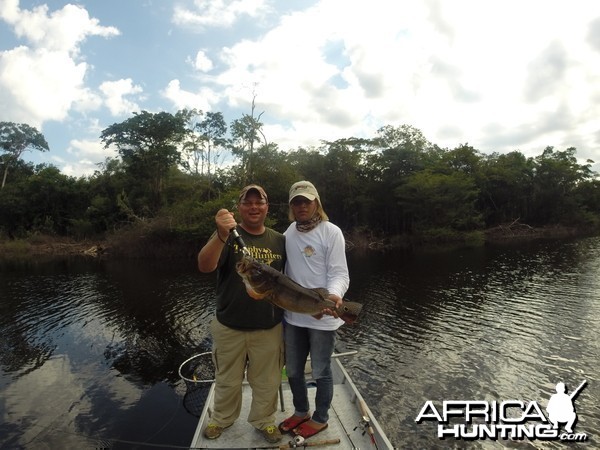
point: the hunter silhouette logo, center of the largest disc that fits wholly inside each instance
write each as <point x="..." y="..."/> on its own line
<point x="510" y="419"/>
<point x="561" y="409"/>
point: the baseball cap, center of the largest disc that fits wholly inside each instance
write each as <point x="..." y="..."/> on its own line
<point x="305" y="189"/>
<point x="256" y="188"/>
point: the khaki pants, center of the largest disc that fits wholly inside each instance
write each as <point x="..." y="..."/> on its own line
<point x="261" y="351"/>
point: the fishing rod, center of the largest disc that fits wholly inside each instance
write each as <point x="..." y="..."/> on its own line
<point x="576" y="391"/>
<point x="300" y="442"/>
<point x="366" y="422"/>
<point x="239" y="241"/>
<point x="342" y="355"/>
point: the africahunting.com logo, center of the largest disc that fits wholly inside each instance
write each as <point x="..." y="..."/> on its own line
<point x="511" y="419"/>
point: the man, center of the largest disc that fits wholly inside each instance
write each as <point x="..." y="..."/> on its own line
<point x="246" y="333"/>
<point x="316" y="258"/>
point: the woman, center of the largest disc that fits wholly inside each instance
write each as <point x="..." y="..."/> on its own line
<point x="316" y="258"/>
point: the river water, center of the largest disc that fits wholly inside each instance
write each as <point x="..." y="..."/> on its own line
<point x="90" y="350"/>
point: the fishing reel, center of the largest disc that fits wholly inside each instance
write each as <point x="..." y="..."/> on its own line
<point x="297" y="442"/>
<point x="300" y="441"/>
<point x="364" y="424"/>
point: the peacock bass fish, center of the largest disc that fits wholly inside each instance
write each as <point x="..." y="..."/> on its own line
<point x="265" y="283"/>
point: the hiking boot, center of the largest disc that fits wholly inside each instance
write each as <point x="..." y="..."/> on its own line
<point x="213" y="431"/>
<point x="271" y="433"/>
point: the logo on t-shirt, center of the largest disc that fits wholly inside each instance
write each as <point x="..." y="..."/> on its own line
<point x="308" y="251"/>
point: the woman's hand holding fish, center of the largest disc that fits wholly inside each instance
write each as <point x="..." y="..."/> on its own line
<point x="333" y="311"/>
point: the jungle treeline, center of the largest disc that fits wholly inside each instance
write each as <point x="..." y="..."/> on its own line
<point x="172" y="172"/>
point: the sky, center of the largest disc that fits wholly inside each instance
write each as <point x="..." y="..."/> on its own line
<point x="499" y="75"/>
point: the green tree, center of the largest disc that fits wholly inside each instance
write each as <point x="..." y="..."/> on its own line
<point x="400" y="152"/>
<point x="587" y="195"/>
<point x="463" y="158"/>
<point x="15" y="139"/>
<point x="149" y="146"/>
<point x="213" y="129"/>
<point x="404" y="136"/>
<point x="105" y="185"/>
<point x="205" y="145"/>
<point x="343" y="185"/>
<point x="45" y="201"/>
<point x="193" y="152"/>
<point x="273" y="171"/>
<point x="246" y="133"/>
<point x="439" y="200"/>
<point x="309" y="164"/>
<point x="506" y="188"/>
<point x="14" y="203"/>
<point x="556" y="175"/>
<point x="245" y="136"/>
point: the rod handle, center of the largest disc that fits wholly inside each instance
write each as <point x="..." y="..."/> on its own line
<point x="240" y="242"/>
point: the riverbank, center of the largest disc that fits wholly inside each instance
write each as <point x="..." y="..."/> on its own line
<point x="49" y="245"/>
<point x="126" y="245"/>
<point x="132" y="244"/>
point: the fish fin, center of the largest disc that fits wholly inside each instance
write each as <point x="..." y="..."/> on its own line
<point x="252" y="293"/>
<point x="255" y="295"/>
<point x="323" y="293"/>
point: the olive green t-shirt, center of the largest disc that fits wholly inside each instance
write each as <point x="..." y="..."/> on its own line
<point x="235" y="308"/>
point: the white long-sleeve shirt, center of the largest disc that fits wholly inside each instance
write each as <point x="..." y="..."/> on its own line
<point x="317" y="259"/>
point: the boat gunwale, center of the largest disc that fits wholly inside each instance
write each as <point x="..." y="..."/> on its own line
<point x="342" y="378"/>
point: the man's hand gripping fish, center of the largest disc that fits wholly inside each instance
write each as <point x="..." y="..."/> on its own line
<point x="265" y="283"/>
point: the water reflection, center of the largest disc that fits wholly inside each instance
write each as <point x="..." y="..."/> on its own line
<point x="88" y="343"/>
<point x="491" y="324"/>
<point x="90" y="349"/>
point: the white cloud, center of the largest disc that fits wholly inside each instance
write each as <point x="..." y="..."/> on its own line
<point x="218" y="13"/>
<point x="202" y="62"/>
<point x="88" y="154"/>
<point x="87" y="100"/>
<point x="42" y="81"/>
<point x="455" y="70"/>
<point x="63" y="30"/>
<point x="90" y="149"/>
<point x="9" y="10"/>
<point x="39" y="85"/>
<point x="317" y="73"/>
<point x="498" y="74"/>
<point x="115" y="92"/>
<point x="185" y="99"/>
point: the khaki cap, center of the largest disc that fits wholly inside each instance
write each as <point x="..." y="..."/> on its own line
<point x="304" y="189"/>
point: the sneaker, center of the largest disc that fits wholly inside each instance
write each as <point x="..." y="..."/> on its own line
<point x="271" y="433"/>
<point x="213" y="431"/>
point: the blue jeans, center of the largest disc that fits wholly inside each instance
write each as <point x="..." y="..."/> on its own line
<point x="299" y="342"/>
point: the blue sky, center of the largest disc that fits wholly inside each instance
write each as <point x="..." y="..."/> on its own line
<point x="500" y="75"/>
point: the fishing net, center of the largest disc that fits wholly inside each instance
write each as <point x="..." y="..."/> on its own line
<point x="198" y="373"/>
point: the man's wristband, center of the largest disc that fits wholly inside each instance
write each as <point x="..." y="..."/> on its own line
<point x="219" y="236"/>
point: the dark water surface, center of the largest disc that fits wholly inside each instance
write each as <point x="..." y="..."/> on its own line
<point x="89" y="350"/>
